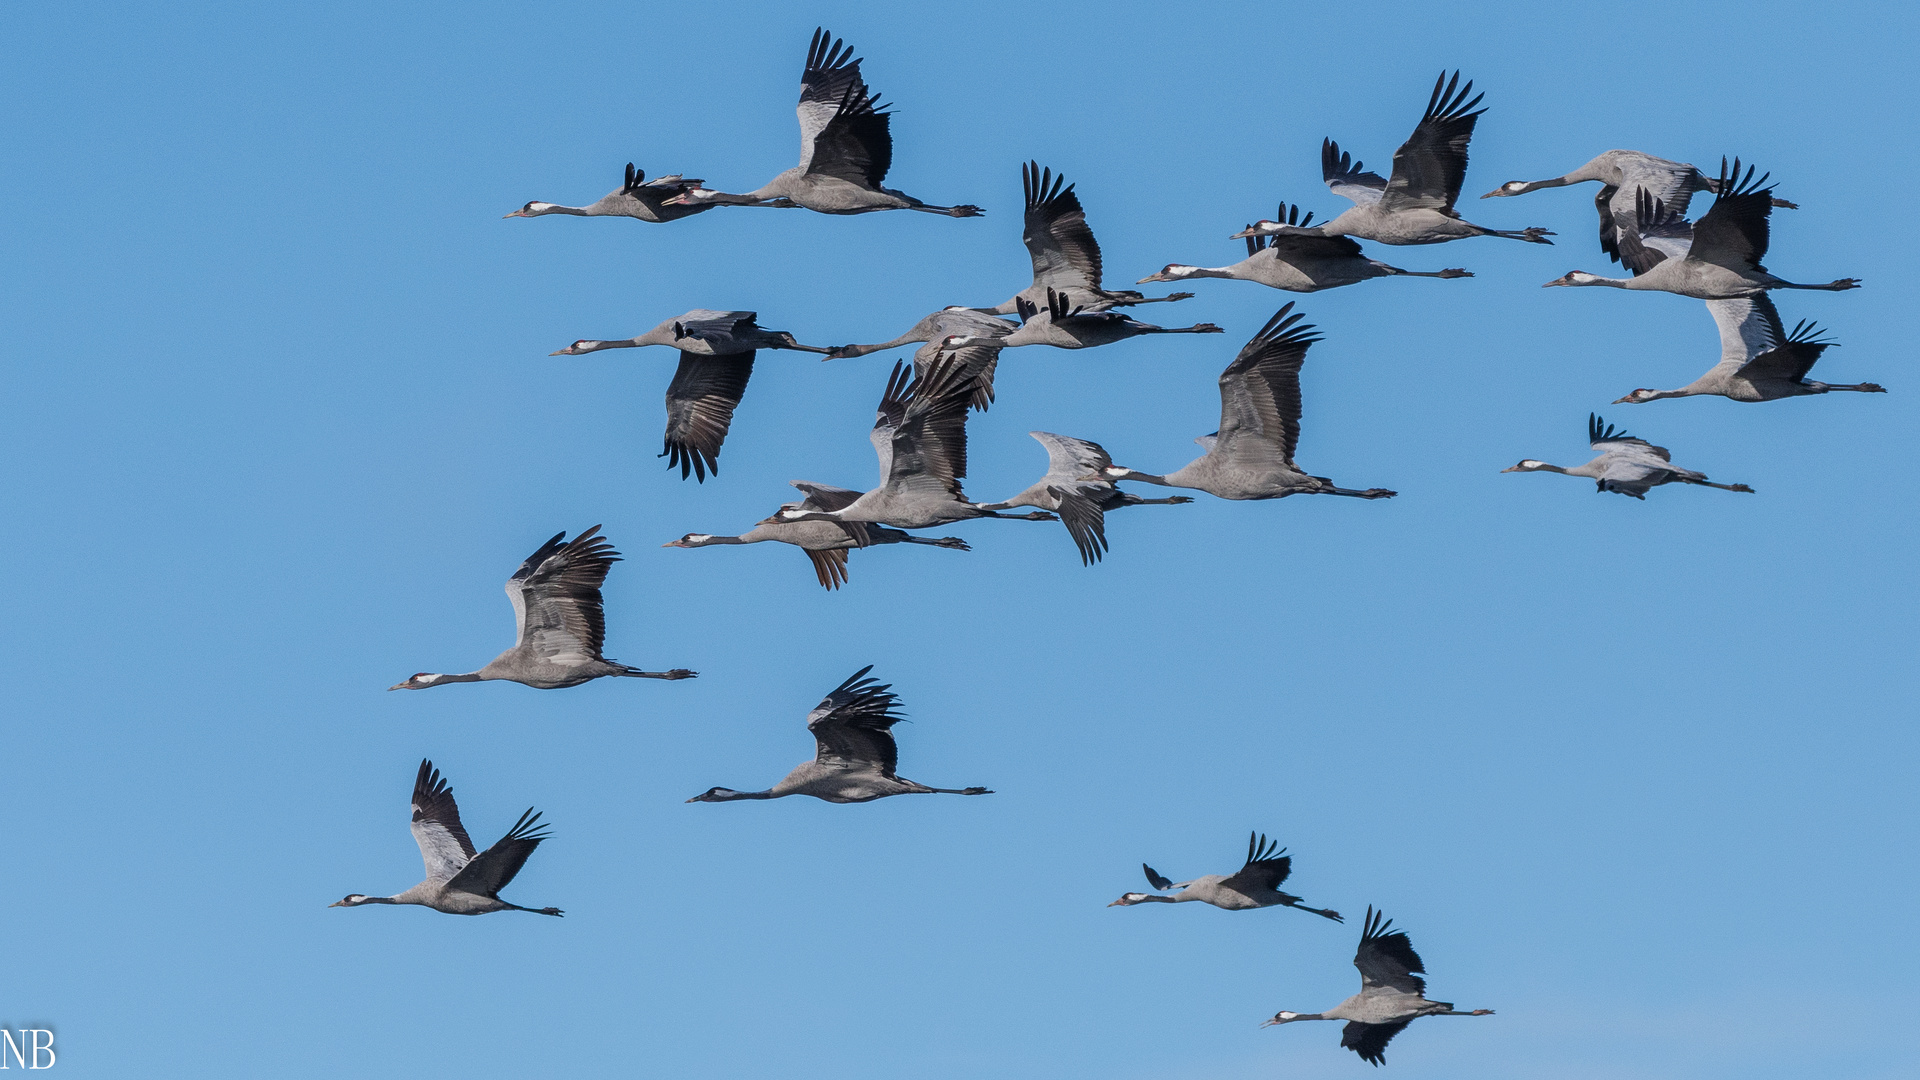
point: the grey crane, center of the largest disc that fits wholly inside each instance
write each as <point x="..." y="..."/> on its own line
<point x="827" y="543"/>
<point x="1066" y="257"/>
<point x="1299" y="259"/>
<point x="559" y="622"/>
<point x="1621" y="174"/>
<point x="1626" y="465"/>
<point x="1064" y="326"/>
<point x="846" y="146"/>
<point x="1251" y="456"/>
<point x="978" y="360"/>
<point x="716" y="360"/>
<point x="1415" y="206"/>
<point x="1255" y="885"/>
<point x="855" y="757"/>
<point x="1082" y="503"/>
<point x="1715" y="258"/>
<point x="460" y="881"/>
<point x="1392" y="993"/>
<point x="920" y="436"/>
<point x="1760" y="360"/>
<point x="637" y="197"/>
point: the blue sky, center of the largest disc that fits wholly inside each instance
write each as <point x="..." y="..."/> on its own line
<point x="279" y="420"/>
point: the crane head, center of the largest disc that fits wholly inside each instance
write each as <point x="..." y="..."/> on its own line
<point x="351" y="900"/>
<point x="1129" y="900"/>
<point x="1511" y="187"/>
<point x="417" y="681"/>
<point x="1637" y="397"/>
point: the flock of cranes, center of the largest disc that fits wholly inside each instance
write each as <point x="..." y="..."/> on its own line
<point x="919" y="435"/>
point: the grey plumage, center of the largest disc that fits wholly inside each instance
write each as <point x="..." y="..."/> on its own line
<point x="855" y="757"/>
<point x="1065" y="326"/>
<point x="1760" y="360"/>
<point x="1627" y="465"/>
<point x="1392" y="993"/>
<point x="716" y="361"/>
<point x="1251" y="455"/>
<point x="1066" y="258"/>
<point x="459" y="881"/>
<point x="827" y="543"/>
<point x="920" y="437"/>
<point x="846" y="146"/>
<point x="1074" y="488"/>
<point x="1287" y="252"/>
<point x="559" y="621"/>
<point x="1416" y="204"/>
<point x="1715" y="258"/>
<point x="1254" y="885"/>
<point x="636" y="197"/>
<point x="1621" y="175"/>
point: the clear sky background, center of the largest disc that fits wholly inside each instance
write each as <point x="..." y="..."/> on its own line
<point x="278" y="421"/>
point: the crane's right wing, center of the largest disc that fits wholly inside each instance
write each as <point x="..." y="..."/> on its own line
<point x="444" y="845"/>
<point x="1370" y="1040"/>
<point x="1430" y="166"/>
<point x="857" y="144"/>
<point x="716" y="328"/>
<point x="700" y="402"/>
<point x="1156" y="879"/>
<point x="1084" y="519"/>
<point x="1792" y="358"/>
<point x="494" y="868"/>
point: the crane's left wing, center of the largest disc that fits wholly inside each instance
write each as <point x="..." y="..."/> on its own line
<point x="851" y="725"/>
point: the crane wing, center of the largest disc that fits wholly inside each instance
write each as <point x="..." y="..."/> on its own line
<point x="444" y="846"/>
<point x="1155" y="879"/>
<point x="700" y="403"/>
<point x="930" y="443"/>
<point x="1070" y="459"/>
<point x="1430" y="166"/>
<point x="1749" y="326"/>
<point x="1267" y="866"/>
<point x="851" y="726"/>
<point x="977" y="362"/>
<point x="1654" y="235"/>
<point x="556" y="594"/>
<point x="1260" y="391"/>
<point x="722" y="331"/>
<point x="857" y="144"/>
<point x="1084" y="519"/>
<point x="1734" y="232"/>
<point x="829" y="75"/>
<point x="1370" y="1040"/>
<point x="1606" y="438"/>
<point x="1347" y="178"/>
<point x="829" y="566"/>
<point x="1792" y="358"/>
<point x="1064" y="252"/>
<point x="1386" y="958"/>
<point x="824" y="497"/>
<point x="492" y="869"/>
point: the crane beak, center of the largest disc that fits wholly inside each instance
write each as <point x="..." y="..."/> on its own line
<point x="338" y="903"/>
<point x="673" y="543"/>
<point x="516" y="213"/>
